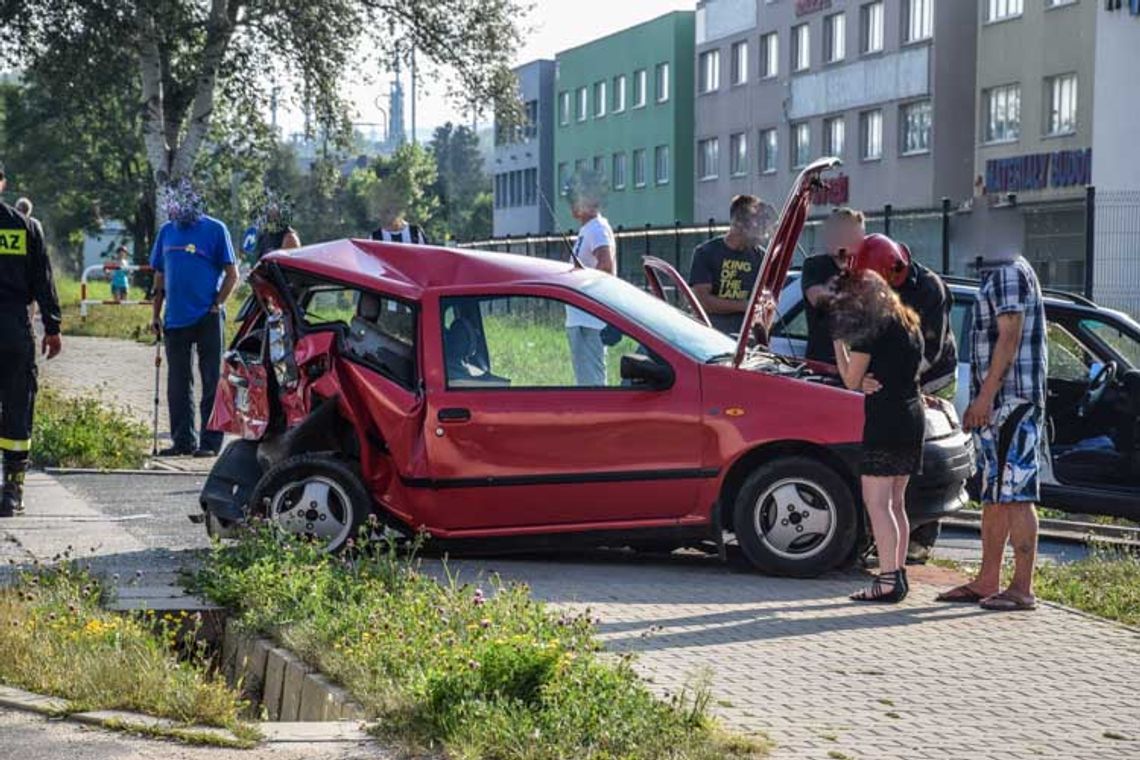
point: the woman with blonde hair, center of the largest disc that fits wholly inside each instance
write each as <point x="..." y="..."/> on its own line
<point x="878" y="340"/>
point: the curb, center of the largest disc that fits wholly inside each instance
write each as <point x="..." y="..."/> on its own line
<point x="102" y="471"/>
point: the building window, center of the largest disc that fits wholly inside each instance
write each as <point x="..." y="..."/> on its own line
<point x="738" y="154"/>
<point x="916" y="121"/>
<point x="640" y="169"/>
<point x="619" y="171"/>
<point x="835" y="37"/>
<point x="1058" y="3"/>
<point x="531" y="187"/>
<point x="580" y="168"/>
<point x="619" y="93"/>
<point x="661" y="77"/>
<point x="708" y="158"/>
<point x="530" y="129"/>
<point x="599" y="99"/>
<point x="661" y="164"/>
<point x="564" y="108"/>
<point x="1001" y="113"/>
<point x="599" y="166"/>
<point x="834" y="136"/>
<point x="769" y="55"/>
<point x="919" y="20"/>
<point x="871" y="135"/>
<point x="639" y="84"/>
<point x="999" y="10"/>
<point x="563" y="178"/>
<point x="709" y="71"/>
<point x="871" y="28"/>
<point x="583" y="103"/>
<point x="740" y="62"/>
<point x="769" y="142"/>
<point x="801" y="47"/>
<point x="801" y="144"/>
<point x="1061" y="97"/>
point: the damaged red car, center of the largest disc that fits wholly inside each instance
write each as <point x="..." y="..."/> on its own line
<point x="428" y="389"/>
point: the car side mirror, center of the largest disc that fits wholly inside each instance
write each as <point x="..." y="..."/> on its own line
<point x="640" y="371"/>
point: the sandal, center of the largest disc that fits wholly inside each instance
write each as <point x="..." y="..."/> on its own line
<point x="960" y="595"/>
<point x="886" y="588"/>
<point x="1009" y="601"/>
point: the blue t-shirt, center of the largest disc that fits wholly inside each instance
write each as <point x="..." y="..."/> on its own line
<point x="120" y="279"/>
<point x="191" y="259"/>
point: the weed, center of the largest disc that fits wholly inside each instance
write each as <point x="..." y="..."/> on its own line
<point x="835" y="754"/>
<point x="894" y="715"/>
<point x="482" y="673"/>
<point x="84" y="432"/>
<point x="1106" y="583"/>
<point x="1114" y="735"/>
<point x="886" y="702"/>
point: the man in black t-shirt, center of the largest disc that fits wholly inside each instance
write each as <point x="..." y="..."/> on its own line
<point x="843" y="233"/>
<point x="724" y="269"/>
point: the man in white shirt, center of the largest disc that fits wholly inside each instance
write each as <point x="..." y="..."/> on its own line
<point x="596" y="249"/>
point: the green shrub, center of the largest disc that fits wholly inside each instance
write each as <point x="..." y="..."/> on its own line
<point x="1106" y="583"/>
<point x="484" y="675"/>
<point x="84" y="432"/>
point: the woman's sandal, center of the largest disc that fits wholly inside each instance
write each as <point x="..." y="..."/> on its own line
<point x="1007" y="601"/>
<point x="886" y="588"/>
<point x="960" y="595"/>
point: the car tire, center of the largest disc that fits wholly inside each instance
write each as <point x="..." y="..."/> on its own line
<point x="922" y="541"/>
<point x="795" y="516"/>
<point x="338" y="503"/>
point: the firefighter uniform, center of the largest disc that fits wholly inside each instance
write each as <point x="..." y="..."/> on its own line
<point x="25" y="275"/>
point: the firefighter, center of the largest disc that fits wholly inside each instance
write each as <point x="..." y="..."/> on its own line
<point x="25" y="276"/>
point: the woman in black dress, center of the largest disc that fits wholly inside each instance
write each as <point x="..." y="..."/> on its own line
<point x="878" y="348"/>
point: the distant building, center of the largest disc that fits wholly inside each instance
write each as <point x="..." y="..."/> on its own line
<point x="887" y="86"/>
<point x="523" y="159"/>
<point x="625" y="113"/>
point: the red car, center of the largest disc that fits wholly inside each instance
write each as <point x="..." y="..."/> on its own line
<point x="429" y="389"/>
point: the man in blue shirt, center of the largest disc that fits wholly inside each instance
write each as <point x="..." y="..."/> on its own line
<point x="193" y="260"/>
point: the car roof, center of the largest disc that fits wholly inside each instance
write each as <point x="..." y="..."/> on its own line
<point x="411" y="270"/>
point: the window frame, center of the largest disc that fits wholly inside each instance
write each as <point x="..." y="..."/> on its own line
<point x="828" y="135"/>
<point x="658" y="152"/>
<point x="830" y="38"/>
<point x="565" y="107"/>
<point x="618" y="159"/>
<point x="904" y="127"/>
<point x="794" y="133"/>
<point x="582" y="104"/>
<point x="926" y="30"/>
<point x="702" y="163"/>
<point x="708" y="71"/>
<point x="869" y="12"/>
<point x="766" y="167"/>
<point x="769" y="56"/>
<point x="865" y="119"/>
<point x="666" y="96"/>
<point x="640" y="153"/>
<point x="1051" y="106"/>
<point x="987" y="118"/>
<point x="640" y="81"/>
<point x="618" y="105"/>
<point x="738" y="53"/>
<point x="801" y="48"/>
<point x="989" y="15"/>
<point x="738" y="154"/>
<point x="601" y="104"/>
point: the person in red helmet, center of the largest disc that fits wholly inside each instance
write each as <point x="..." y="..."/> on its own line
<point x="926" y="293"/>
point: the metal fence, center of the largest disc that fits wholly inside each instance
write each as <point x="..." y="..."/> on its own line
<point x="1116" y="237"/>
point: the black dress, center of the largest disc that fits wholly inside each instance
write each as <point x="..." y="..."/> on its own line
<point x="894" y="423"/>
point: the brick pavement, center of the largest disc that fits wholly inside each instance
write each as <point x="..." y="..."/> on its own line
<point x="825" y="678"/>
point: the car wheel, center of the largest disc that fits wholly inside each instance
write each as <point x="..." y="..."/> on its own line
<point x="922" y="540"/>
<point x="795" y="516"/>
<point x="314" y="496"/>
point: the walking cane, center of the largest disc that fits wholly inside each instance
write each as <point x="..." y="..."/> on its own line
<point x="157" y="368"/>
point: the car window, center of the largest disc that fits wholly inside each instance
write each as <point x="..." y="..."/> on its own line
<point x="1119" y="341"/>
<point x="325" y="304"/>
<point x="1069" y="360"/>
<point x="521" y="342"/>
<point x="960" y="319"/>
<point x="791" y="324"/>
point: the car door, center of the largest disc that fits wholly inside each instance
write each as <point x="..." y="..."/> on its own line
<point x="516" y="445"/>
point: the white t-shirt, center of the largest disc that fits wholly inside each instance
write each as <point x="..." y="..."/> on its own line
<point x="594" y="234"/>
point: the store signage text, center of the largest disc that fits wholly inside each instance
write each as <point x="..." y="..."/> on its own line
<point x="804" y="7"/>
<point x="1038" y="171"/>
<point x="835" y="192"/>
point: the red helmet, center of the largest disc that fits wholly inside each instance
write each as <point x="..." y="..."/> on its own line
<point x="884" y="257"/>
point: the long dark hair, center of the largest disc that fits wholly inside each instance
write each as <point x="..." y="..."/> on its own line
<point x="864" y="305"/>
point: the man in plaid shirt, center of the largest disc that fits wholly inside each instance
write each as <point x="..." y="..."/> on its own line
<point x="1008" y="359"/>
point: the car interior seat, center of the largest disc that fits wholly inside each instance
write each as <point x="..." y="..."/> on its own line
<point x="368" y="340"/>
<point x="460" y="343"/>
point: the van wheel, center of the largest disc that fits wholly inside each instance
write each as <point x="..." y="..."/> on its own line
<point x="315" y="496"/>
<point x="795" y="516"/>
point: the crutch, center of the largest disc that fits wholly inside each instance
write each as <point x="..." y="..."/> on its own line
<point x="157" y="371"/>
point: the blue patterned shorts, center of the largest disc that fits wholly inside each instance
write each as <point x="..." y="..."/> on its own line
<point x="1009" y="453"/>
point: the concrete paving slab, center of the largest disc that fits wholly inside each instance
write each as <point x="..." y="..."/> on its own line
<point x="329" y="731"/>
<point x="18" y="699"/>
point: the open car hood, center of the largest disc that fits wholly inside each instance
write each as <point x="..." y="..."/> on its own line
<point x="781" y="249"/>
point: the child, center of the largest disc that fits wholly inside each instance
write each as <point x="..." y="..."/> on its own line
<point x="121" y="278"/>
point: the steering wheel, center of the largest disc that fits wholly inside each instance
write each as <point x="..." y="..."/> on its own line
<point x="1095" y="392"/>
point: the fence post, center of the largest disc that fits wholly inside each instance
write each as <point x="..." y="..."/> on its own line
<point x="677" y="243"/>
<point x="887" y="220"/>
<point x="1090" y="238"/>
<point x="507" y="242"/>
<point x="712" y="223"/>
<point x="648" y="227"/>
<point x="945" y="236"/>
<point x="548" y="247"/>
<point x="528" y="245"/>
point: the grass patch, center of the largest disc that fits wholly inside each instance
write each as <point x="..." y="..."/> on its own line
<point x="1106" y="584"/>
<point x="84" y="432"/>
<point x="445" y="665"/>
<point x="125" y="322"/>
<point x="56" y="640"/>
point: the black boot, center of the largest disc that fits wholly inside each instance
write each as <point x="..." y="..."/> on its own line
<point x="12" y="501"/>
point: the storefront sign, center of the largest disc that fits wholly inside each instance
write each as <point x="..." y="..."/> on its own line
<point x="835" y="192"/>
<point x="1038" y="171"/>
<point x="804" y="7"/>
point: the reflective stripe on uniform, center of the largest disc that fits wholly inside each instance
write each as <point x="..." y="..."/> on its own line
<point x="11" y="444"/>
<point x="13" y="242"/>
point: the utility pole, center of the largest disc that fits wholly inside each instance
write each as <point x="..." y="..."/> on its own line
<point x="413" y="95"/>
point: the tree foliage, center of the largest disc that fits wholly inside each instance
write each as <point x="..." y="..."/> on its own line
<point x="461" y="181"/>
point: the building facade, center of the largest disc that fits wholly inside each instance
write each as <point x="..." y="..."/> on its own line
<point x="523" y="160"/>
<point x="624" y="111"/>
<point x="885" y="85"/>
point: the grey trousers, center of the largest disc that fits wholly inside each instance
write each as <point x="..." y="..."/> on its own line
<point x="589" y="356"/>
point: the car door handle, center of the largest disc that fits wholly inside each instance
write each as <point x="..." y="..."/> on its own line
<point x="454" y="415"/>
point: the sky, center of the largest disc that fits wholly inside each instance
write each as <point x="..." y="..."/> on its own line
<point x="554" y="25"/>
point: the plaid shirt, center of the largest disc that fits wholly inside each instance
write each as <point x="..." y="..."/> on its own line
<point x="1010" y="289"/>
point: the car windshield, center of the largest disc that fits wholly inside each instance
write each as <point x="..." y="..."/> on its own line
<point x="1117" y="339"/>
<point x="666" y="322"/>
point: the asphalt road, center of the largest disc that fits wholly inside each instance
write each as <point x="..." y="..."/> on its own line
<point x="154" y="510"/>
